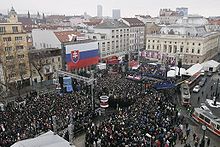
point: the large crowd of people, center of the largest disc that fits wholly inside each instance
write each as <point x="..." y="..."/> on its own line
<point x="117" y="87"/>
<point x="153" y="70"/>
<point x="35" y="117"/>
<point x="152" y="119"/>
<point x="148" y="119"/>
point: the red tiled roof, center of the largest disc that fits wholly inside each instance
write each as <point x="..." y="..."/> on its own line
<point x="66" y="36"/>
<point x="93" y="21"/>
<point x="215" y="22"/>
<point x="25" y="21"/>
<point x="56" y="17"/>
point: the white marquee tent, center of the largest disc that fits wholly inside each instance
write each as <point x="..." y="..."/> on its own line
<point x="194" y="69"/>
<point x="45" y="140"/>
<point x="211" y="65"/>
<point x="174" y="71"/>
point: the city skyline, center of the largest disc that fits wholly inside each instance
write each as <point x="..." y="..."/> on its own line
<point x="128" y="8"/>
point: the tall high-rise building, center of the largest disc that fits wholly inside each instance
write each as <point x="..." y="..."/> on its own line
<point x="116" y="13"/>
<point x="99" y="10"/>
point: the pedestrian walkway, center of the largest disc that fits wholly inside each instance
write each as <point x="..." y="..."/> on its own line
<point x="195" y="134"/>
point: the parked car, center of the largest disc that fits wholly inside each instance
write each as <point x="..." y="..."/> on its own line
<point x="202" y="82"/>
<point x="196" y="88"/>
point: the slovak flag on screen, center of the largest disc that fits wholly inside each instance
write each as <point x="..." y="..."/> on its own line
<point x="75" y="56"/>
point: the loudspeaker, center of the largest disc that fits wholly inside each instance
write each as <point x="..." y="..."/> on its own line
<point x="126" y="57"/>
<point x="179" y="64"/>
<point x="61" y="82"/>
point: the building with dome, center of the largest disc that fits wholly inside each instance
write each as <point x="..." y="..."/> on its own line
<point x="187" y="39"/>
<point x="191" y="49"/>
<point x="192" y="20"/>
<point x="192" y="25"/>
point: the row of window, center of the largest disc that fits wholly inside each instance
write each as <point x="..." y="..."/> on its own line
<point x="114" y="48"/>
<point x="137" y="35"/>
<point x="191" y="61"/>
<point x="112" y="52"/>
<point x="52" y="60"/>
<point x="174" y="49"/>
<point x="18" y="38"/>
<point x="113" y="42"/>
<point x="117" y="36"/>
<point x="113" y="31"/>
<point x="12" y="66"/>
<point x="136" y="41"/>
<point x="44" y="45"/>
<point x="136" y="29"/>
<point x="2" y="30"/>
<point x="21" y="56"/>
<point x="19" y="47"/>
<point x="199" y="44"/>
<point x="14" y="29"/>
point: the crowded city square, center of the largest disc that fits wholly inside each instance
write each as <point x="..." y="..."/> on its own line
<point x="138" y="114"/>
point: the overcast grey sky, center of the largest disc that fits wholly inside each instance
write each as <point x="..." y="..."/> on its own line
<point x="128" y="7"/>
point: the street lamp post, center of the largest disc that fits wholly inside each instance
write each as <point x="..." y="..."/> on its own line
<point x="138" y="45"/>
<point x="179" y="64"/>
<point x="149" y="136"/>
<point x="216" y="93"/>
<point x="54" y="119"/>
<point x="203" y="138"/>
<point x="129" y="57"/>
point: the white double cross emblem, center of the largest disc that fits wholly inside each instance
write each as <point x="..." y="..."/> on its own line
<point x="75" y="55"/>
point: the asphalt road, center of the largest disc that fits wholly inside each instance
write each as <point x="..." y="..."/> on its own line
<point x="207" y="93"/>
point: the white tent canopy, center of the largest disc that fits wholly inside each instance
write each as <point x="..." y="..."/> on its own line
<point x="174" y="71"/>
<point x="45" y="140"/>
<point x="194" y="69"/>
<point x="211" y="65"/>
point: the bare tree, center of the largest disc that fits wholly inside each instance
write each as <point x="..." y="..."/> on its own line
<point x="6" y="77"/>
<point x="38" y="61"/>
<point x="8" y="71"/>
<point x="22" y="71"/>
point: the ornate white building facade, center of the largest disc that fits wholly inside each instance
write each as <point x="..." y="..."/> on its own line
<point x="188" y="39"/>
<point x="190" y="49"/>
